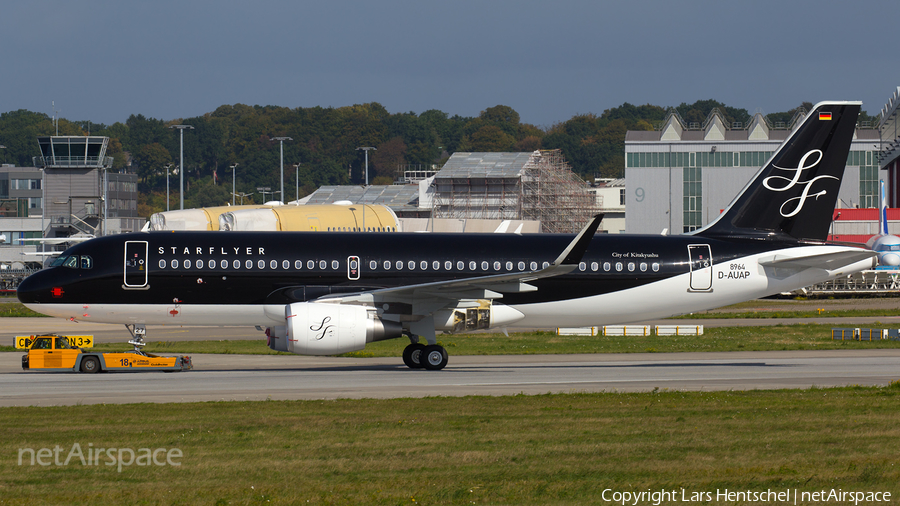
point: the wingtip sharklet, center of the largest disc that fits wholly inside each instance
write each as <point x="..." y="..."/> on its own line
<point x="576" y="249"/>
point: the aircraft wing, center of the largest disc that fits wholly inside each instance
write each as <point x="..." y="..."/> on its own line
<point x="429" y="297"/>
<point x="58" y="240"/>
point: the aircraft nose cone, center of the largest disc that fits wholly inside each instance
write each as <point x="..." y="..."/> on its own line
<point x="30" y="288"/>
<point x="891" y="259"/>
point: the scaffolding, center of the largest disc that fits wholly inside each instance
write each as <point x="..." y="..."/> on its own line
<point x="554" y="195"/>
<point x="538" y="186"/>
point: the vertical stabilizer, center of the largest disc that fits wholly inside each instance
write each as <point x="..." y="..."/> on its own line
<point x="795" y="191"/>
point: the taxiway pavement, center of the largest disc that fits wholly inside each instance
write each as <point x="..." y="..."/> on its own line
<point x="260" y="377"/>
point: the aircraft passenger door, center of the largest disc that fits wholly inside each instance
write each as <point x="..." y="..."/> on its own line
<point x="353" y="268"/>
<point x="135" y="264"/>
<point x="701" y="267"/>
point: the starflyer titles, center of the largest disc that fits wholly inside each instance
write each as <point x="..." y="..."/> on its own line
<point x="724" y="495"/>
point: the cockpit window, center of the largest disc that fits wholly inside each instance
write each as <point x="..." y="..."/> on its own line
<point x="74" y="262"/>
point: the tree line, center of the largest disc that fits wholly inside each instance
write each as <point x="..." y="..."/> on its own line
<point x="324" y="141"/>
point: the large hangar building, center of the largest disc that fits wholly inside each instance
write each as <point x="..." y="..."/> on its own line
<point x="681" y="176"/>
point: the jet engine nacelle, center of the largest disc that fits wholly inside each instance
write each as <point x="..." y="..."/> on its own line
<point x="330" y="329"/>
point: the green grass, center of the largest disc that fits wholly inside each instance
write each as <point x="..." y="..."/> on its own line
<point x="17" y="309"/>
<point x="547" y="449"/>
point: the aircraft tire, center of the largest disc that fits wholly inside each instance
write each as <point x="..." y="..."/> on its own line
<point x="434" y="357"/>
<point x="412" y="356"/>
<point x="90" y="365"/>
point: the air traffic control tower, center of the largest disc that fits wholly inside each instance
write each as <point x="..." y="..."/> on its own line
<point x="81" y="194"/>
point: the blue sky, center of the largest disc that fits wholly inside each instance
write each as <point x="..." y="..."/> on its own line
<point x="104" y="60"/>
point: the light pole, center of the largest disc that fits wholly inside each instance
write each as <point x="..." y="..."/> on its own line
<point x="232" y="183"/>
<point x="367" y="149"/>
<point x="281" y="141"/>
<point x="181" y="165"/>
<point x="297" y="180"/>
<point x="168" y="166"/>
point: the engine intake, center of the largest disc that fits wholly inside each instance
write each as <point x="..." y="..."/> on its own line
<point x="331" y="329"/>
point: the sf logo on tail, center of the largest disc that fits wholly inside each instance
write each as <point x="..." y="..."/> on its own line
<point x="795" y="180"/>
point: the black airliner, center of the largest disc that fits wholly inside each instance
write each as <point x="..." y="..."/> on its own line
<point x="325" y="293"/>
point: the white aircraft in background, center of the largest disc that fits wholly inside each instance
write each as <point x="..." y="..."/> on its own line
<point x="886" y="245"/>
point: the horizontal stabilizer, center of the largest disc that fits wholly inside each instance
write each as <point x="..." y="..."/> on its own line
<point x="827" y="261"/>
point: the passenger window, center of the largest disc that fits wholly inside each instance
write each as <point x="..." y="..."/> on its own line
<point x="546" y="264"/>
<point x="412" y="265"/>
<point x="248" y="264"/>
<point x="298" y="264"/>
<point x="199" y="264"/>
<point x="174" y="264"/>
<point x="399" y="265"/>
<point x="187" y="264"/>
<point x="436" y="265"/>
<point x="594" y="266"/>
<point x="373" y="265"/>
<point x="423" y="265"/>
<point x="460" y="265"/>
<point x="484" y="265"/>
<point x="509" y="266"/>
<point x="606" y="266"/>
<point x="309" y="265"/>
<point x="223" y="264"/>
<point x="448" y="265"/>
<point x="86" y="262"/>
<point x="162" y="264"/>
<point x="582" y="266"/>
<point x="211" y="264"/>
<point x="521" y="266"/>
<point x="236" y="264"/>
<point x="387" y="265"/>
<point x="534" y="266"/>
<point x="322" y="265"/>
<point x="472" y="265"/>
<point x="335" y="265"/>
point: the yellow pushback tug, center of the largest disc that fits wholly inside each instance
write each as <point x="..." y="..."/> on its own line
<point x="51" y="352"/>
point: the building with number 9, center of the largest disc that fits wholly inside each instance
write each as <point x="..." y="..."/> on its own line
<point x="682" y="175"/>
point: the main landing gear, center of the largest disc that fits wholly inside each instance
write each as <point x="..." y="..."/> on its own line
<point x="432" y="357"/>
